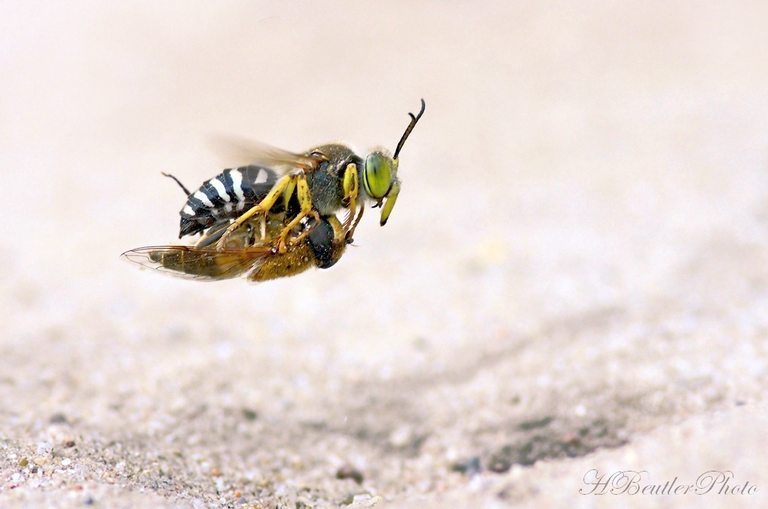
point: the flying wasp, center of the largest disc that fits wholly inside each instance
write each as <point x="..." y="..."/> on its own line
<point x="314" y="184"/>
<point x="245" y="254"/>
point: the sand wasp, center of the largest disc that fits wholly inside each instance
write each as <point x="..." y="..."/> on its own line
<point x="316" y="184"/>
<point x="245" y="254"/>
<point x="246" y="215"/>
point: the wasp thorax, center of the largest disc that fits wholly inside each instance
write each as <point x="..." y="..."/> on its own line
<point x="379" y="174"/>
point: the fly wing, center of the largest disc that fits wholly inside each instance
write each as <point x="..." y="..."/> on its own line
<point x="267" y="156"/>
<point x="195" y="263"/>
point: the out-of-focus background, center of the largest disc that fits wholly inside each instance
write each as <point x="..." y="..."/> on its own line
<point x="574" y="277"/>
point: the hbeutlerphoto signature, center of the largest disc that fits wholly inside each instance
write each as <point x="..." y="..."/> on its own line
<point x="640" y="482"/>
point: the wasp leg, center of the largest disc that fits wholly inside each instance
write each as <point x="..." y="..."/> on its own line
<point x="288" y="193"/>
<point x="351" y="192"/>
<point x="263" y="206"/>
<point x="305" y="201"/>
<point x="297" y="239"/>
<point x="350" y="233"/>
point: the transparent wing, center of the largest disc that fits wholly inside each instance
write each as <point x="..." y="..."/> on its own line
<point x="195" y="263"/>
<point x="257" y="153"/>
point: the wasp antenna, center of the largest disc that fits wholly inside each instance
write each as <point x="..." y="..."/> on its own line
<point x="177" y="181"/>
<point x="414" y="119"/>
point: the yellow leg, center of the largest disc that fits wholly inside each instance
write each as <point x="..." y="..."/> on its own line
<point x="305" y="201"/>
<point x="262" y="207"/>
<point x="351" y="192"/>
<point x="288" y="193"/>
<point x="297" y="239"/>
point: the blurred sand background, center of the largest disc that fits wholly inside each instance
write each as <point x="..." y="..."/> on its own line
<point x="574" y="276"/>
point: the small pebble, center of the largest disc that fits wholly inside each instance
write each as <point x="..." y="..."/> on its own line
<point x="469" y="466"/>
<point x="249" y="414"/>
<point x="365" y="500"/>
<point x="350" y="472"/>
<point x="400" y="437"/>
<point x="502" y="460"/>
<point x="58" y="418"/>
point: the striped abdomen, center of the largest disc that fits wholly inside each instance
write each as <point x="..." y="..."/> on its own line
<point x="225" y="196"/>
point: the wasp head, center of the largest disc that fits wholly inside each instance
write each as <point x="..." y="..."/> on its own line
<point x="380" y="175"/>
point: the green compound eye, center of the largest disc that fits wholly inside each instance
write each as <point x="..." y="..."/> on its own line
<point x="378" y="175"/>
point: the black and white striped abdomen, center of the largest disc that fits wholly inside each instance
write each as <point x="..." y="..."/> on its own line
<point x="227" y="195"/>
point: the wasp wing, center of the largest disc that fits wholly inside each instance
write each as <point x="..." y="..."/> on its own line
<point x="195" y="263"/>
<point x="265" y="155"/>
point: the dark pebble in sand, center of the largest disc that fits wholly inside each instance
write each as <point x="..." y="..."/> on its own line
<point x="58" y="418"/>
<point x="469" y="466"/>
<point x="350" y="472"/>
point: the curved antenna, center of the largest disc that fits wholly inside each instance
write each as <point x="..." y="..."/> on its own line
<point x="182" y="186"/>
<point x="408" y="129"/>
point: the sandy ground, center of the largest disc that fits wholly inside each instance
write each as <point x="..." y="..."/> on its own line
<point x="574" y="278"/>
